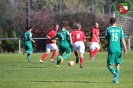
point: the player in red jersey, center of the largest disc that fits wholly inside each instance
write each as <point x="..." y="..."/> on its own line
<point x="51" y="45"/>
<point x="94" y="39"/>
<point x="78" y="38"/>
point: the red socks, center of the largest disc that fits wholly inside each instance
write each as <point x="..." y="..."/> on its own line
<point x="44" y="56"/>
<point x="81" y="60"/>
<point x="92" y="53"/>
<point x="95" y="51"/>
<point x="54" y="54"/>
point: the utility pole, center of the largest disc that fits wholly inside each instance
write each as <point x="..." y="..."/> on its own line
<point x="28" y="19"/>
<point x="92" y="11"/>
<point x="60" y="13"/>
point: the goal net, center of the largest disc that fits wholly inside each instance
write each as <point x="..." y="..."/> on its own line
<point x="126" y="23"/>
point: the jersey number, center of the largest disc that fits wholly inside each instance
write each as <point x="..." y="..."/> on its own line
<point x="78" y="36"/>
<point x="62" y="36"/>
<point x="115" y="37"/>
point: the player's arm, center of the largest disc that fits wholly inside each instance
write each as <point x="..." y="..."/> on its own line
<point x="55" y="37"/>
<point x="93" y="31"/>
<point x="32" y="40"/>
<point x="71" y="39"/>
<point x="84" y="37"/>
<point x="48" y="36"/>
<point x="95" y="37"/>
<point x="30" y="37"/>
<point x="124" y="45"/>
<point x="22" y="37"/>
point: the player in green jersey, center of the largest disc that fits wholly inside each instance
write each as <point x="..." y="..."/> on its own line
<point x="115" y="38"/>
<point x="64" y="46"/>
<point x="27" y="38"/>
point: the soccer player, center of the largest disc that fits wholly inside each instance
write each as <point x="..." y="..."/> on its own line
<point x="94" y="39"/>
<point x="78" y="38"/>
<point x="115" y="37"/>
<point x="51" y="45"/>
<point x="27" y="38"/>
<point x="64" y="46"/>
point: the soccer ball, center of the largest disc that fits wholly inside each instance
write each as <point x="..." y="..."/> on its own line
<point x="71" y="63"/>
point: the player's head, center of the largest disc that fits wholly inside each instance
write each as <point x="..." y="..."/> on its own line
<point x="56" y="26"/>
<point x="113" y="21"/>
<point x="29" y="29"/>
<point x="78" y="26"/>
<point x="95" y="24"/>
<point x="63" y="27"/>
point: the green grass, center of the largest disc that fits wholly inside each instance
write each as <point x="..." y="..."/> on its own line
<point x="16" y="72"/>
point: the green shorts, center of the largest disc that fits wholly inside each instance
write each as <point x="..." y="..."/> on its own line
<point x="63" y="49"/>
<point x="114" y="58"/>
<point x="28" y="46"/>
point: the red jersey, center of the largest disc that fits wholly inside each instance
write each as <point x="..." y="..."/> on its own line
<point x="78" y="35"/>
<point x="94" y="31"/>
<point x="51" y="34"/>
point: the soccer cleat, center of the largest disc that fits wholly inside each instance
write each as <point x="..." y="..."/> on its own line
<point x="81" y="66"/>
<point x="115" y="80"/>
<point x="77" y="59"/>
<point x="41" y="61"/>
<point x="61" y="60"/>
<point x="52" y="60"/>
<point x="57" y="65"/>
<point x="29" y="60"/>
<point x="92" y="58"/>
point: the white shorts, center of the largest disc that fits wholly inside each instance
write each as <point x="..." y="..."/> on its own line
<point x="79" y="45"/>
<point x="51" y="47"/>
<point x="94" y="45"/>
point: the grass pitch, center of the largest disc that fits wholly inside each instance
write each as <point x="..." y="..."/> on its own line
<point x="16" y="72"/>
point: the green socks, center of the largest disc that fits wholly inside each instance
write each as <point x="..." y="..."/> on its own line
<point x="58" y="60"/>
<point x="66" y="56"/>
<point x="28" y="56"/>
<point x="117" y="71"/>
<point x="111" y="69"/>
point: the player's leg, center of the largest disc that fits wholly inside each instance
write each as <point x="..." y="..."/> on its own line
<point x="68" y="52"/>
<point x="76" y="55"/>
<point x="29" y="51"/>
<point x="55" y="48"/>
<point x="117" y="65"/>
<point x="81" y="60"/>
<point x="81" y="51"/>
<point x="92" y="48"/>
<point x="111" y="60"/>
<point x="75" y="48"/>
<point x="46" y="53"/>
<point x="116" y="75"/>
<point x="97" y="48"/>
<point x="26" y="49"/>
<point x="61" y="51"/>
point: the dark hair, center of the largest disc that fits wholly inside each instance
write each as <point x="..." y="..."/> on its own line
<point x="112" y="20"/>
<point x="94" y="23"/>
<point x="55" y="25"/>
<point x="29" y="28"/>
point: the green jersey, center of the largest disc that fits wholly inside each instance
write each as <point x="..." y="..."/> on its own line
<point x="114" y="35"/>
<point x="26" y="37"/>
<point x="63" y="36"/>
